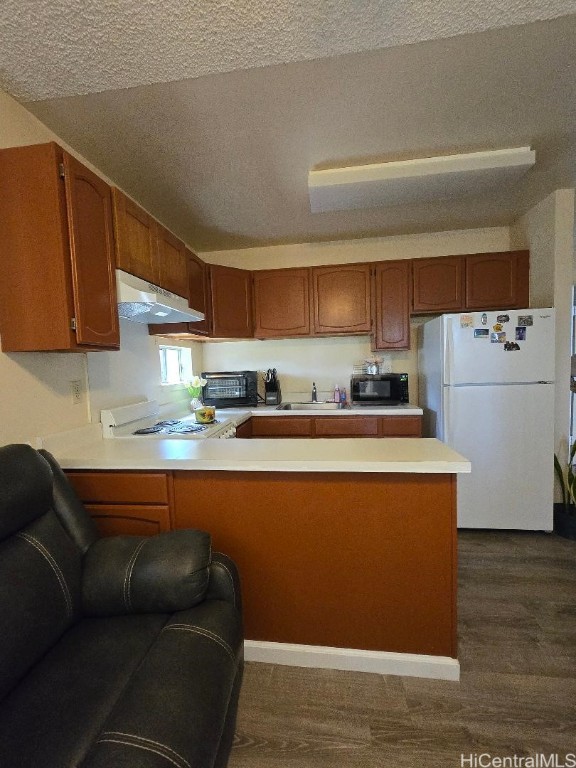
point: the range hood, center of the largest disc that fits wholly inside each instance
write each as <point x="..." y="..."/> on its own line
<point x="144" y="302"/>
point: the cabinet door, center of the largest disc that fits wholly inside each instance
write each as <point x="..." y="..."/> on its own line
<point x="438" y="284"/>
<point x="199" y="293"/>
<point x="401" y="426"/>
<point x="129" y="520"/>
<point x="346" y="426"/>
<point x="497" y="280"/>
<point x="281" y="303"/>
<point x="281" y="426"/>
<point x="172" y="262"/>
<point x="231" y="295"/>
<point x="89" y="208"/>
<point x="391" y="305"/>
<point x="341" y="299"/>
<point x="136" y="243"/>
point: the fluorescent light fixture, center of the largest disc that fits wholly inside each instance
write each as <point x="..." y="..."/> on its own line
<point x="413" y="181"/>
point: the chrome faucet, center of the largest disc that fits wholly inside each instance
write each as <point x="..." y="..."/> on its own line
<point x="314" y="393"/>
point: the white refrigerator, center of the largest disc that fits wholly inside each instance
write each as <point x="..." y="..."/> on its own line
<point x="486" y="385"/>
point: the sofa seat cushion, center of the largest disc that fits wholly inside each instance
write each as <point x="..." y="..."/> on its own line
<point x="173" y="710"/>
<point x="53" y="716"/>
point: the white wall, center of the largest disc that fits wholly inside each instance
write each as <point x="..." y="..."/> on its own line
<point x="133" y="374"/>
<point x="368" y="249"/>
<point x="548" y="229"/>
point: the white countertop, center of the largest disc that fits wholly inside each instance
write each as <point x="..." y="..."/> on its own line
<point x="85" y="448"/>
<point x="359" y="410"/>
<point x="394" y="454"/>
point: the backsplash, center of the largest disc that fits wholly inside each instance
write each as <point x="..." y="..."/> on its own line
<point x="327" y="361"/>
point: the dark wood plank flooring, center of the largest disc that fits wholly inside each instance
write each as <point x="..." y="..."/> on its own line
<point x="516" y="696"/>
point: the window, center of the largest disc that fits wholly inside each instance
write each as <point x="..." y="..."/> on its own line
<point x="175" y="365"/>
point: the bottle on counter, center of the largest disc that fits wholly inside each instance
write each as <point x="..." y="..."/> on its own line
<point x="336" y="394"/>
<point x="343" y="397"/>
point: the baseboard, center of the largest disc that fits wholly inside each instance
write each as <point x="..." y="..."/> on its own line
<point x="353" y="660"/>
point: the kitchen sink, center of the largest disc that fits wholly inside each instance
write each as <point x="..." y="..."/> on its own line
<point x="310" y="406"/>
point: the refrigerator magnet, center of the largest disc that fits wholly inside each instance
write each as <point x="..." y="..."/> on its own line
<point x="484" y="318"/>
<point x="466" y="321"/>
<point x="497" y="327"/>
<point x="481" y="333"/>
<point x="511" y="346"/>
<point x="498" y="337"/>
<point x="521" y="333"/>
<point x="525" y="320"/>
<point x="503" y="319"/>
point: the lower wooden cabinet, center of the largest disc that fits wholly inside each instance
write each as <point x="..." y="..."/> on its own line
<point x="133" y="503"/>
<point x="331" y="426"/>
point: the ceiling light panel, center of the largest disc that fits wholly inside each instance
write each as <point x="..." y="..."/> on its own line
<point x="413" y="181"/>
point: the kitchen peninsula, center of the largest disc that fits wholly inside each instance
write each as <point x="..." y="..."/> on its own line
<point x="346" y="548"/>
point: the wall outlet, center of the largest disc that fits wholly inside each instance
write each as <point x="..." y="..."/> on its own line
<point x="76" y="391"/>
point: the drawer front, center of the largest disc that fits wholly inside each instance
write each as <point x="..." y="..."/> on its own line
<point x="401" y="426"/>
<point x="121" y="487"/>
<point x="281" y="426"/>
<point x="346" y="426"/>
<point x="131" y="520"/>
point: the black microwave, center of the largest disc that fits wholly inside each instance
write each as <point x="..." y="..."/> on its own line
<point x="230" y="389"/>
<point x="379" y="389"/>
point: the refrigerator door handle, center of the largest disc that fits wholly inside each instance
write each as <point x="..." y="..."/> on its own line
<point x="449" y="352"/>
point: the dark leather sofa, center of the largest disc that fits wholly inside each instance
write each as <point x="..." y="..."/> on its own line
<point x="114" y="652"/>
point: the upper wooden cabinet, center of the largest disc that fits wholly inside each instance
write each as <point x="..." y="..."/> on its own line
<point x="199" y="293"/>
<point x="58" y="289"/>
<point x="476" y="281"/>
<point x="281" y="303"/>
<point x="147" y="249"/>
<point x="173" y="262"/>
<point x="391" y="305"/>
<point x="341" y="299"/>
<point x="231" y="298"/>
<point x="438" y="284"/>
<point x="136" y="241"/>
<point x="497" y="280"/>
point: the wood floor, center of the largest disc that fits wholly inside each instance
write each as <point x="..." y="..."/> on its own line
<point x="516" y="696"/>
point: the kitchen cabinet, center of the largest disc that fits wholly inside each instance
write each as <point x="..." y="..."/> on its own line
<point x="438" y="284"/>
<point x="58" y="289"/>
<point x="472" y="282"/>
<point x="280" y="426"/>
<point x="173" y="262"/>
<point x="341" y="299"/>
<point x="132" y="503"/>
<point x="136" y="241"/>
<point x="145" y="248"/>
<point x="231" y="299"/>
<point x="331" y="426"/>
<point x="391" y="305"/>
<point x="281" y="303"/>
<point x="497" y="280"/>
<point x="199" y="293"/>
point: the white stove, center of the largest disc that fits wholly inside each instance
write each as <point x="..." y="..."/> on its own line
<point x="142" y="421"/>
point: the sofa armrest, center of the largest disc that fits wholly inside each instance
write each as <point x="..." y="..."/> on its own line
<point x="133" y="574"/>
<point x="224" y="581"/>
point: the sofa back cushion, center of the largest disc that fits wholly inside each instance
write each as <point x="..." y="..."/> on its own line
<point x="40" y="566"/>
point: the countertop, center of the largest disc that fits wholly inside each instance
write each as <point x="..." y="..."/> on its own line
<point x="85" y="448"/>
<point x="405" y="409"/>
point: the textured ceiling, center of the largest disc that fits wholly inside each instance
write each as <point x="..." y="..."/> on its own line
<point x="53" y="48"/>
<point x="222" y="156"/>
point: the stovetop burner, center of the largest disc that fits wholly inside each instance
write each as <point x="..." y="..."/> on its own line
<point x="172" y="427"/>
<point x="149" y="430"/>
